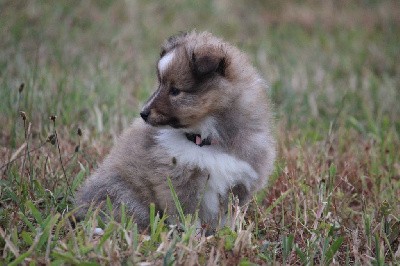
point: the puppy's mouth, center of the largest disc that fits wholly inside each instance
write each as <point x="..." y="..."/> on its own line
<point x="172" y="122"/>
<point x="175" y="123"/>
<point x="178" y="126"/>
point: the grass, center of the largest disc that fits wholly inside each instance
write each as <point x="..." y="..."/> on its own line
<point x="334" y="78"/>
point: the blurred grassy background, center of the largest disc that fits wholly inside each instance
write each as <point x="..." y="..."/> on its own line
<point x="334" y="74"/>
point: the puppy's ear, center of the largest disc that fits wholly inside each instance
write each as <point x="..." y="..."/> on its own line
<point x="208" y="60"/>
<point x="172" y="42"/>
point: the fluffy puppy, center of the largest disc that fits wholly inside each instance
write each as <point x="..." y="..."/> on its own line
<point x="207" y="127"/>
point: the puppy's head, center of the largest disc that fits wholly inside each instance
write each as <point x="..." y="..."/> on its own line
<point x="192" y="79"/>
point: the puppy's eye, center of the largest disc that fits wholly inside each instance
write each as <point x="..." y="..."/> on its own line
<point x="174" y="91"/>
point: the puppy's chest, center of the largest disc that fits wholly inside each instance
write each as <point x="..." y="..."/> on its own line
<point x="224" y="170"/>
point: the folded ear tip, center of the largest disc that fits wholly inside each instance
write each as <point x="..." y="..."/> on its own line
<point x="208" y="63"/>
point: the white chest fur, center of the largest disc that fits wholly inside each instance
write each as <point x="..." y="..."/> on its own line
<point x="225" y="170"/>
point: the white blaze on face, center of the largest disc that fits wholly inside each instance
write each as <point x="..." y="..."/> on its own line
<point x="163" y="64"/>
<point x="165" y="61"/>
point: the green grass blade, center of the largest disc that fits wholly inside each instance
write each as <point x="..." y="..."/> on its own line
<point x="27" y="222"/>
<point x="47" y="229"/>
<point x="152" y="219"/>
<point x="21" y="258"/>
<point x="278" y="201"/>
<point x="287" y="246"/>
<point x="35" y="212"/>
<point x="302" y="255"/>
<point x="176" y="201"/>
<point x="333" y="249"/>
<point x="27" y="237"/>
<point x="107" y="234"/>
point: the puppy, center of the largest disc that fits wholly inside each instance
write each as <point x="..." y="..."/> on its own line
<point x="207" y="127"/>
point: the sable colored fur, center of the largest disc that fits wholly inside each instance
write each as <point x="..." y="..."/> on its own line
<point x="208" y="93"/>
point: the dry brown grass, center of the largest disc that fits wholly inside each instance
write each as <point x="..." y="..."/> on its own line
<point x="334" y="75"/>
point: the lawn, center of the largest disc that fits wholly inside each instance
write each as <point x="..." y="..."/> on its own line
<point x="73" y="75"/>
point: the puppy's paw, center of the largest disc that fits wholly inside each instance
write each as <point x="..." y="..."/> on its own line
<point x="98" y="231"/>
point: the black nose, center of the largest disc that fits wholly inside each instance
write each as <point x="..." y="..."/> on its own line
<point x="145" y="115"/>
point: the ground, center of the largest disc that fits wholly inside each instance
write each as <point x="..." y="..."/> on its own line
<point x="73" y="74"/>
